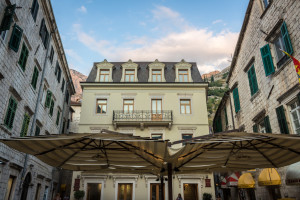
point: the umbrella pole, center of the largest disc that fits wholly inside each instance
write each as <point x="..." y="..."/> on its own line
<point x="161" y="188"/>
<point x="170" y="186"/>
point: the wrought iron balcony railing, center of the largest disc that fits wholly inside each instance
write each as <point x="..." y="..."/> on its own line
<point x="142" y="116"/>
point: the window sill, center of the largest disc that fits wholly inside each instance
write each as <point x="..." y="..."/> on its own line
<point x="283" y="65"/>
<point x="255" y="95"/>
<point x="6" y="130"/>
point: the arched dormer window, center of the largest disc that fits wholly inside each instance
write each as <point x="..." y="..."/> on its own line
<point x="156" y="72"/>
<point x="104" y="71"/>
<point x="129" y="71"/>
<point x="183" y="71"/>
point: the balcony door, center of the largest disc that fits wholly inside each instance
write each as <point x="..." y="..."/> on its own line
<point x="125" y="191"/>
<point x="128" y="105"/>
<point x="155" y="191"/>
<point x="156" y="109"/>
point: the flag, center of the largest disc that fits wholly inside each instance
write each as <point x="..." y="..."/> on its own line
<point x="296" y="63"/>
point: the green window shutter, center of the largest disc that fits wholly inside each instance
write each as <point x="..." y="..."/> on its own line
<point x="25" y="125"/>
<point x="267" y="60"/>
<point x="34" y="9"/>
<point x="15" y="38"/>
<point x="57" y="117"/>
<point x="48" y="99"/>
<point x="8" y="17"/>
<point x="37" y="131"/>
<point x="298" y="98"/>
<point x="255" y="128"/>
<point x="286" y="38"/>
<point x="35" y="77"/>
<point x="51" y="108"/>
<point x="267" y="124"/>
<point x="63" y="85"/>
<point x="252" y="80"/>
<point x="10" y="113"/>
<point x="23" y="57"/>
<point x="282" y="120"/>
<point x="226" y="119"/>
<point x="236" y="100"/>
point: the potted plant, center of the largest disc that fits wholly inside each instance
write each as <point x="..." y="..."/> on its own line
<point x="79" y="194"/>
<point x="207" y="196"/>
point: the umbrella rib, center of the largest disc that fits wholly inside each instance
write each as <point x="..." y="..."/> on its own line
<point x="104" y="151"/>
<point x="75" y="153"/>
<point x="282" y="147"/>
<point x="229" y="154"/>
<point x="263" y="155"/>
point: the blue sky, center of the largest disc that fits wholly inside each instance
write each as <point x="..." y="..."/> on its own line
<point x="142" y="30"/>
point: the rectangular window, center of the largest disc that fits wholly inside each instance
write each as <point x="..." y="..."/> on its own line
<point x="57" y="72"/>
<point x="34" y="9"/>
<point x="57" y="117"/>
<point x="282" y="120"/>
<point x="156" y="75"/>
<point x="125" y="191"/>
<point x="51" y="55"/>
<point x="295" y="116"/>
<point x="15" y="38"/>
<point x="129" y="75"/>
<point x="7" y="18"/>
<point x="63" y="85"/>
<point x="48" y="99"/>
<point x="45" y="197"/>
<point x="185" y="106"/>
<point x="183" y="75"/>
<point x="37" y="131"/>
<point x="25" y="125"/>
<point x="10" y="113"/>
<point x="156" y="192"/>
<point x="35" y="77"/>
<point x="252" y="80"/>
<point x="128" y="105"/>
<point x="44" y="33"/>
<point x="255" y="128"/>
<point x="267" y="60"/>
<point x="37" y="192"/>
<point x="101" y="106"/>
<point x="236" y="99"/>
<point x="10" y="188"/>
<point x="186" y="137"/>
<point x="3" y="34"/>
<point x="104" y="75"/>
<point x="51" y="108"/>
<point x="265" y="3"/>
<point x="23" y="57"/>
<point x="157" y="136"/>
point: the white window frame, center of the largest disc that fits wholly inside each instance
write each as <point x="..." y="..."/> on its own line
<point x="297" y="110"/>
<point x="156" y="65"/>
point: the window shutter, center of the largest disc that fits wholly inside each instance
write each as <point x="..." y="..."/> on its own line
<point x="8" y="17"/>
<point x="255" y="128"/>
<point x="57" y="117"/>
<point x="63" y="85"/>
<point x="34" y="9"/>
<point x="236" y="100"/>
<point x="10" y="113"/>
<point x="35" y="77"/>
<point x="48" y="99"/>
<point x="37" y="131"/>
<point x="286" y="38"/>
<point x="252" y="80"/>
<point x="59" y="75"/>
<point x="282" y="120"/>
<point x="42" y="29"/>
<point x="267" y="124"/>
<point x="23" y="57"/>
<point x="25" y="125"/>
<point x="15" y="38"/>
<point x="267" y="60"/>
<point x="51" y="108"/>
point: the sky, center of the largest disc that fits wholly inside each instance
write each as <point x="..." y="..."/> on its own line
<point x="199" y="31"/>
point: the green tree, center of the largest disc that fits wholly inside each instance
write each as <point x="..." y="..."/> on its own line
<point x="212" y="78"/>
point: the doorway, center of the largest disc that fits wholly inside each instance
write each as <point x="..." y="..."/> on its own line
<point x="190" y="191"/>
<point x="156" y="107"/>
<point x="94" y="191"/>
<point x="155" y="191"/>
<point x="125" y="191"/>
<point x="25" y="186"/>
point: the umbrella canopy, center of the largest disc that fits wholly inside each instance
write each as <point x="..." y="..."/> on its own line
<point x="236" y="151"/>
<point x="106" y="151"/>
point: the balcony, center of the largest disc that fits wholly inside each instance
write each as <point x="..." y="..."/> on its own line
<point x="142" y="118"/>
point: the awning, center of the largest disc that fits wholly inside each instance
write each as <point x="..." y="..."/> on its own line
<point x="246" y="181"/>
<point x="293" y="174"/>
<point x="269" y="176"/>
<point x="224" y="183"/>
<point x="232" y="180"/>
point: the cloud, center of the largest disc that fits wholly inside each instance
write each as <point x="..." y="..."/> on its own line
<point x="82" y="9"/>
<point x="217" y="21"/>
<point x="73" y="55"/>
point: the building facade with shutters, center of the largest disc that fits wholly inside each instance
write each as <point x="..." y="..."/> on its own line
<point x="264" y="88"/>
<point x="35" y="87"/>
<point x="163" y="100"/>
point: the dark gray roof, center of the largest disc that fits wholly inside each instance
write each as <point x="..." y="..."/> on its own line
<point x="143" y="72"/>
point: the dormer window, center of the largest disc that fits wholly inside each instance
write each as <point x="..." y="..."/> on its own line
<point x="104" y="71"/>
<point x="156" y="72"/>
<point x="129" y="71"/>
<point x="183" y="72"/>
<point x="156" y="75"/>
<point x="183" y="75"/>
<point x="104" y="75"/>
<point x="129" y="75"/>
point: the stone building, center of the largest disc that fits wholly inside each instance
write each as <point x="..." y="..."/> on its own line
<point x="35" y="88"/>
<point x="264" y="88"/>
<point x="163" y="100"/>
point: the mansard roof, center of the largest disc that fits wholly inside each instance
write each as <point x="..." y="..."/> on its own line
<point x="143" y="72"/>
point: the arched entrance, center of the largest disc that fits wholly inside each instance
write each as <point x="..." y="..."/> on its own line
<point x="25" y="186"/>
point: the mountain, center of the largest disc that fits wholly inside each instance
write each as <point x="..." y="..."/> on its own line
<point x="208" y="75"/>
<point x="77" y="77"/>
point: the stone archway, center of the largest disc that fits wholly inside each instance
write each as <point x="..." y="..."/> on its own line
<point x="25" y="186"/>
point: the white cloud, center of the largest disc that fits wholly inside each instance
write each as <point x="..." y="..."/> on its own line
<point x="73" y="55"/>
<point x="82" y="9"/>
<point x="217" y="21"/>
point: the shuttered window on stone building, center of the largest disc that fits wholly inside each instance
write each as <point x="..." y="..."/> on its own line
<point x="34" y="9"/>
<point x="15" y="38"/>
<point x="44" y="33"/>
<point x="23" y="57"/>
<point x="255" y="128"/>
<point x="48" y="99"/>
<point x="7" y="18"/>
<point x="57" y="72"/>
<point x="236" y="99"/>
<point x="286" y="38"/>
<point x="25" y="125"/>
<point x="63" y="85"/>
<point x="37" y="131"/>
<point x="57" y="117"/>
<point x="51" y="108"/>
<point x="35" y="77"/>
<point x="267" y="60"/>
<point x="252" y="80"/>
<point x="267" y="125"/>
<point x="282" y="120"/>
<point x="10" y="113"/>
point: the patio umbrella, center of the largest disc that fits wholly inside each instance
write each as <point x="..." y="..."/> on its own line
<point x="107" y="151"/>
<point x="236" y="151"/>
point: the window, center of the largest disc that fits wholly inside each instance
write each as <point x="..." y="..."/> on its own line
<point x="252" y="80"/>
<point x="125" y="191"/>
<point x="295" y="116"/>
<point x="186" y="137"/>
<point x="156" y="192"/>
<point x="282" y="120"/>
<point x="34" y="9"/>
<point x="157" y="136"/>
<point x="15" y="38"/>
<point x="25" y="125"/>
<point x="3" y="34"/>
<point x="183" y="75"/>
<point x="48" y="99"/>
<point x="156" y="75"/>
<point x="37" y="131"/>
<point x="7" y="18"/>
<point x="23" y="57"/>
<point x="57" y="117"/>
<point x="185" y="106"/>
<point x="44" y="33"/>
<point x="35" y="77"/>
<point x="156" y="106"/>
<point x="101" y="106"/>
<point x="9" y="189"/>
<point x="46" y="193"/>
<point x="10" y="113"/>
<point x="51" y="108"/>
<point x="236" y="99"/>
<point x="63" y="85"/>
<point x="128" y="105"/>
<point x="265" y="3"/>
<point x="57" y="72"/>
<point x="263" y="126"/>
<point x="67" y="97"/>
<point x="37" y="192"/>
<point x="267" y="60"/>
<point x="104" y="75"/>
<point x="51" y="55"/>
<point x="129" y="75"/>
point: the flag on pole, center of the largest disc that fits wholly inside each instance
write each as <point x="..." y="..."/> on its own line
<point x="296" y="63"/>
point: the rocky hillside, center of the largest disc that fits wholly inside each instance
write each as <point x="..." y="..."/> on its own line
<point x="208" y="75"/>
<point x="77" y="77"/>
